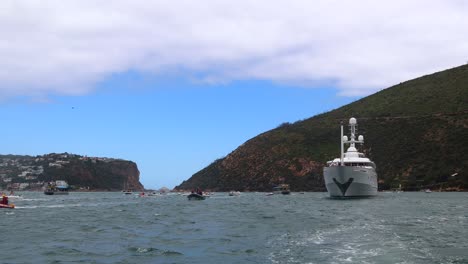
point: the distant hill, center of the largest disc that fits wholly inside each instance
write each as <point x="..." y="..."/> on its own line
<point x="416" y="132"/>
<point x="93" y="173"/>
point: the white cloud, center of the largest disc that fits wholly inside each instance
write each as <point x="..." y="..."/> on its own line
<point x="66" y="47"/>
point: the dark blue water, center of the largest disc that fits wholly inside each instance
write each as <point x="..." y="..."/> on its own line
<point x="251" y="228"/>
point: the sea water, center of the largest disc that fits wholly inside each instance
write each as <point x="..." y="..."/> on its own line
<point x="250" y="228"/>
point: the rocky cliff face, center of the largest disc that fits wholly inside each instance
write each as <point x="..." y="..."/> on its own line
<point x="112" y="175"/>
<point x="93" y="173"/>
<point x="415" y="132"/>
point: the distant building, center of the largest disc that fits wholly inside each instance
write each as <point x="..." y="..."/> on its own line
<point x="51" y="164"/>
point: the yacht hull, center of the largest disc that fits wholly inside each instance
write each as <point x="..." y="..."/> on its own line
<point x="349" y="181"/>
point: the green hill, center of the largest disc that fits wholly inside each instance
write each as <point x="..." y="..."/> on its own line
<point x="416" y="132"/>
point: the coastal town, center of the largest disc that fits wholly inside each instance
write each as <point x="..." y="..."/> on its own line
<point x="32" y="172"/>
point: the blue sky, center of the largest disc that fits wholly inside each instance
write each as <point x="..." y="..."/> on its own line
<point x="170" y="127"/>
<point x="174" y="85"/>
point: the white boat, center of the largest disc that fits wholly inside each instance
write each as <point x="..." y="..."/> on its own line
<point x="281" y="189"/>
<point x="351" y="175"/>
<point x="234" y="193"/>
<point x="59" y="187"/>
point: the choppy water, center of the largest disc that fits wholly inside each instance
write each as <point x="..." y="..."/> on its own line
<point x="251" y="228"/>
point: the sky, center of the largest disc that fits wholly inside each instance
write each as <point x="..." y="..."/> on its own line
<point x="174" y="85"/>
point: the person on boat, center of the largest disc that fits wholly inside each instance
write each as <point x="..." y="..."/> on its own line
<point x="199" y="191"/>
<point x="4" y="199"/>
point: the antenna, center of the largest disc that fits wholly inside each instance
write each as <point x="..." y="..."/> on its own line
<point x="352" y="140"/>
<point x="342" y="145"/>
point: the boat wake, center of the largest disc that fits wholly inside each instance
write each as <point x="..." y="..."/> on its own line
<point x="31" y="199"/>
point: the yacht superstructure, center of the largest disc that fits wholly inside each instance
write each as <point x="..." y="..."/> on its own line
<point x="351" y="175"/>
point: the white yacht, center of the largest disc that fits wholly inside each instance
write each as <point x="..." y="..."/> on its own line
<point x="351" y="175"/>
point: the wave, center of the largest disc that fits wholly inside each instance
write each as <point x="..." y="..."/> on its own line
<point x="154" y="251"/>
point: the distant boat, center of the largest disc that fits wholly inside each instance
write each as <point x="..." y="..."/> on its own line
<point x="56" y="188"/>
<point x="196" y="196"/>
<point x="281" y="189"/>
<point x="127" y="190"/>
<point x="234" y="193"/>
<point x="427" y="191"/>
<point x="352" y="175"/>
<point x="4" y="203"/>
<point x="399" y="190"/>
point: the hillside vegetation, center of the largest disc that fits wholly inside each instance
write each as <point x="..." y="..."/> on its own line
<point x="416" y="132"/>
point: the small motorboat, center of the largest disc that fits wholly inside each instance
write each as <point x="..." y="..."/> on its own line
<point x="56" y="188"/>
<point x="195" y="196"/>
<point x="56" y="191"/>
<point x="282" y="189"/>
<point x="7" y="206"/>
<point x="234" y="193"/>
<point x="127" y="192"/>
